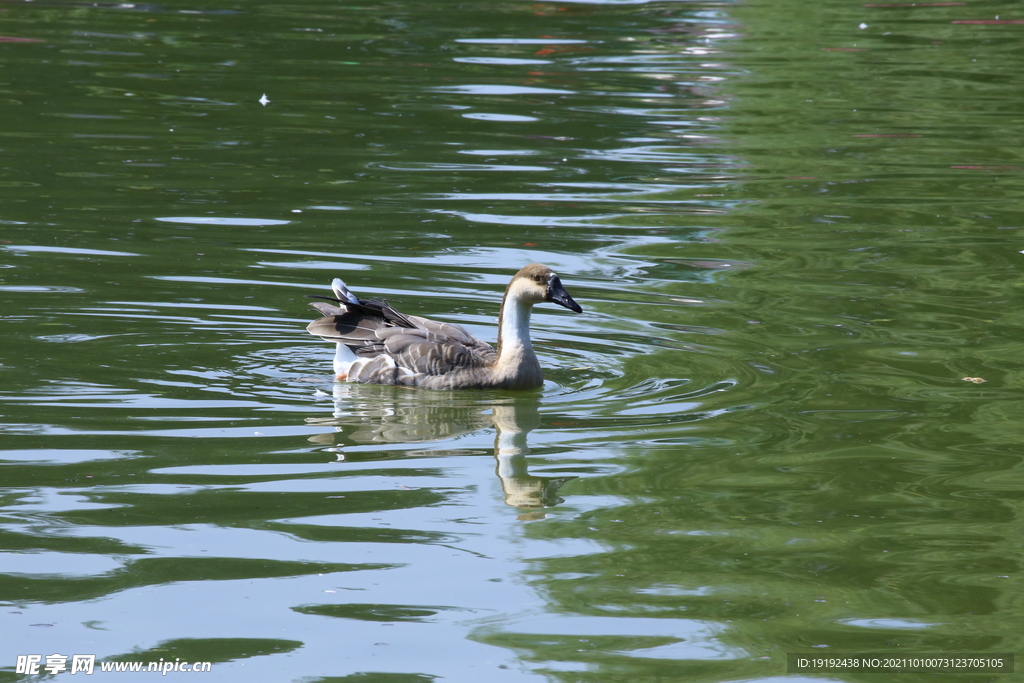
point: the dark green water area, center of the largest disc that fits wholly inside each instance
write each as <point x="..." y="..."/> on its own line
<point x="789" y="420"/>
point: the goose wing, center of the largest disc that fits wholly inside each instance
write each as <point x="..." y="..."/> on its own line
<point x="390" y="342"/>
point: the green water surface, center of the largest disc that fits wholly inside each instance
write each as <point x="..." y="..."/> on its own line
<point x="788" y="420"/>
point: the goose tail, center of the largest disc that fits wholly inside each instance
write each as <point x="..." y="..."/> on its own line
<point x="342" y="292"/>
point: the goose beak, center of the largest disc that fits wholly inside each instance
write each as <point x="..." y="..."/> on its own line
<point x="557" y="294"/>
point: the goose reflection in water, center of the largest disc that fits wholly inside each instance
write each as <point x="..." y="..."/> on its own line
<point x="368" y="414"/>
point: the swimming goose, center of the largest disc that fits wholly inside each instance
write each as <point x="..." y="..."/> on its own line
<point x="378" y="345"/>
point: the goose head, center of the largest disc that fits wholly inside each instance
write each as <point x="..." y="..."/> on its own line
<point x="536" y="283"/>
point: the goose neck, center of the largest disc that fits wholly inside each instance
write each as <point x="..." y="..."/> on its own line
<point x="514" y="327"/>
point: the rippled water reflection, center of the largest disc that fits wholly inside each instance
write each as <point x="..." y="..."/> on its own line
<point x="786" y="422"/>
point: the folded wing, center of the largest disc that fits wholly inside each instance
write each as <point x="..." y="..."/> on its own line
<point x="392" y="348"/>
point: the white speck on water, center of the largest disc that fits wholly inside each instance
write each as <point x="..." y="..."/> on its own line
<point x="264" y="100"/>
